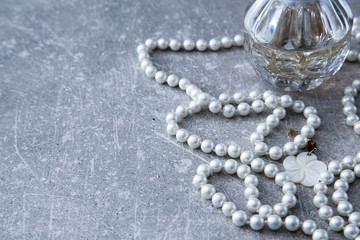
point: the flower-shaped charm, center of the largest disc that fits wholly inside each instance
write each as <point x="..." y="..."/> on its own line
<point x="304" y="168"/>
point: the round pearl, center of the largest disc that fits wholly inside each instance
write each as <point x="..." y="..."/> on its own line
<point x="239" y="218"/>
<point x="172" y="128"/>
<point x="263" y="129"/>
<point x="143" y="55"/>
<point x="349" y="109"/>
<point x="281" y="179"/>
<point x="271" y="170"/>
<point x="301" y="141"/>
<point x="141" y="48"/>
<point x="221" y="149"/>
<point x="239" y="40"/>
<point x="243" y="171"/>
<point x="228" y="208"/>
<point x="354" y="218"/>
<point x="341" y="184"/>
<point x="268" y="93"/>
<point x="182" y="135"/>
<point x="286" y="101"/>
<point x="308" y="227"/>
<point x="336" y="223"/>
<point x="280" y="209"/>
<point x="280" y="112"/>
<point x="273" y="121"/>
<point x="256" y="137"/>
<point x="234" y="150"/>
<point x="150" y="71"/>
<point x="215" y="106"/>
<point x="224" y="98"/>
<point x="254" y="95"/>
<point x="320" y="200"/>
<point x="265" y="211"/>
<point x="351" y="231"/>
<point x="357" y="128"/>
<point x="289" y="187"/>
<point x="308" y="131"/>
<point x="320" y="234"/>
<point x="199" y="180"/>
<point x="258" y="106"/>
<point x="190" y="88"/>
<point x="274" y="222"/>
<point x="325" y="212"/>
<point x="261" y="148"/>
<point x="290" y="148"/>
<point x="231" y="166"/>
<point x="335" y="167"/>
<point x="298" y="106"/>
<point x="356" y="84"/>
<point x="275" y="153"/>
<point x="226" y="42"/>
<point x="172" y="117"/>
<point x="207" y="146"/>
<point x="251" y="192"/>
<point x="163" y="43"/>
<point x="309" y="111"/>
<point x="246" y="156"/>
<point x="175" y="45"/>
<point x="251" y="180"/>
<point x="327" y="177"/>
<point x="253" y="204"/>
<point x="195" y="107"/>
<point x="239" y="97"/>
<point x="207" y="191"/>
<point x="203" y="169"/>
<point x="150" y="44"/>
<point x="218" y="200"/>
<point x="257" y="222"/>
<point x="352" y="56"/>
<point x="257" y="165"/>
<point x="289" y="200"/>
<point x="344" y="208"/>
<point x="347" y="99"/>
<point x="348" y="162"/>
<point x="352" y="119"/>
<point x="229" y="111"/>
<point x="350" y="90"/>
<point x="160" y="77"/>
<point x="194" y="141"/>
<point x="271" y="101"/>
<point x="357" y="170"/>
<point x="145" y="63"/>
<point x="214" y="44"/>
<point x="292" y="223"/>
<point x="347" y="175"/>
<point x="243" y="109"/>
<point x="189" y="45"/>
<point x="339" y="195"/>
<point x="320" y="187"/>
<point x="314" y="121"/>
<point x="215" y="165"/>
<point x="201" y="45"/>
<point x="203" y="98"/>
<point x="181" y="111"/>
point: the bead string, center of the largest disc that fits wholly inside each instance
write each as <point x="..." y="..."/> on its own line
<point x="354" y="55"/>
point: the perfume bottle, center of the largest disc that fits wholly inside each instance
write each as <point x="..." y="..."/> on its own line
<point x="298" y="44"/>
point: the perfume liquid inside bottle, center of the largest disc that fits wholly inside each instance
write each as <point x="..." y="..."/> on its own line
<point x="298" y="44"/>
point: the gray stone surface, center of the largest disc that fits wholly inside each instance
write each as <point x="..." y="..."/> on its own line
<point x="84" y="152"/>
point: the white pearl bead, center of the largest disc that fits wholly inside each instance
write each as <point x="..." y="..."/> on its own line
<point x="254" y="95"/>
<point x="175" y="45"/>
<point x="280" y="209"/>
<point x="265" y="211"/>
<point x="171" y="117"/>
<point x="194" y="93"/>
<point x="257" y="222"/>
<point x="356" y="84"/>
<point x="308" y="131"/>
<point x="268" y="93"/>
<point x="357" y="170"/>
<point x="195" y="107"/>
<point x="348" y="162"/>
<point x="339" y="195"/>
<point x="271" y="170"/>
<point x="141" y="48"/>
<point x="341" y="184"/>
<point x="261" y="148"/>
<point x="190" y="88"/>
<point x="298" y="106"/>
<point x="308" y="227"/>
<point x="275" y="153"/>
<point x="203" y="98"/>
<point x="161" y="77"/>
<point x="349" y="109"/>
<point x="256" y="137"/>
<point x="228" y="208"/>
<point x="172" y="80"/>
<point x="348" y="175"/>
<point x="325" y="212"/>
<point x="150" y="44"/>
<point x="289" y="187"/>
<point x="263" y="129"/>
<point x="199" y="180"/>
<point x="274" y="222"/>
<point x="226" y="42"/>
<point x="231" y="166"/>
<point x="224" y="98"/>
<point x="354" y="218"/>
<point x="271" y="101"/>
<point x="239" y="97"/>
<point x="215" y="165"/>
<point x="352" y="119"/>
<point x="281" y="178"/>
<point x="357" y="128"/>
<point x="181" y="111"/>
<point x="257" y="165"/>
<point x="336" y="223"/>
<point x="207" y="146"/>
<point x="314" y="121"/>
<point x="251" y="180"/>
<point x="243" y="109"/>
<point x="292" y="223"/>
<point x="221" y="149"/>
<point x="289" y="200"/>
<point x="327" y="177"/>
<point x="234" y="150"/>
<point x="214" y="44"/>
<point x="193" y="141"/>
<point x="163" y="43"/>
<point x="215" y="106"/>
<point x="320" y="187"/>
<point x="320" y="234"/>
<point x="201" y="45"/>
<point x="145" y="63"/>
<point x="203" y="169"/>
<point x="320" y="200"/>
<point x="150" y="71"/>
<point x="229" y="111"/>
<point x="335" y="167"/>
<point x="280" y="112"/>
<point x="239" y="218"/>
<point x="253" y="204"/>
<point x="143" y="55"/>
<point x="273" y="121"/>
<point x="351" y="231"/>
<point x="344" y="208"/>
<point x="301" y="141"/>
<point x="243" y="171"/>
<point x="286" y="101"/>
<point x="290" y="148"/>
<point x="246" y="156"/>
<point x="218" y="200"/>
<point x="239" y="40"/>
<point x="258" y="106"/>
<point x="182" y="135"/>
<point x="189" y="45"/>
<point x="251" y="192"/>
<point x="172" y="128"/>
<point x="350" y="90"/>
<point x="347" y="99"/>
<point x="309" y="111"/>
<point x="207" y="191"/>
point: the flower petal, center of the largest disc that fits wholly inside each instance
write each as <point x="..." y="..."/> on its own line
<point x="290" y="164"/>
<point x="316" y="166"/>
<point x="311" y="178"/>
<point x="296" y="176"/>
<point x="304" y="158"/>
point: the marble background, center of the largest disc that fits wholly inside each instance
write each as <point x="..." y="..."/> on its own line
<point x="83" y="147"/>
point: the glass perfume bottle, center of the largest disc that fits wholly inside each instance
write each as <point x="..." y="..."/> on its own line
<point x="298" y="44"/>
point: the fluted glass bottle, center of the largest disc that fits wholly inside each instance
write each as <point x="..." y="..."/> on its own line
<point x="298" y="44"/>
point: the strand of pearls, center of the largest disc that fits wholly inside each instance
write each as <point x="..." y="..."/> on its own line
<point x="350" y="110"/>
<point x="354" y="55"/>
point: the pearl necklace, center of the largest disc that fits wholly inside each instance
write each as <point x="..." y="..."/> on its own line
<point x="250" y="161"/>
<point x="354" y="55"/>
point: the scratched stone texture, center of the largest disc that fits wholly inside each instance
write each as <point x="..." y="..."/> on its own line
<point x="83" y="149"/>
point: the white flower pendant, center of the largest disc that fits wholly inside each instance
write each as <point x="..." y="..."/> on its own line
<point x="304" y="168"/>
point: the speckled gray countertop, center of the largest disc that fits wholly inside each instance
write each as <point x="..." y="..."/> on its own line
<point x="83" y="148"/>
